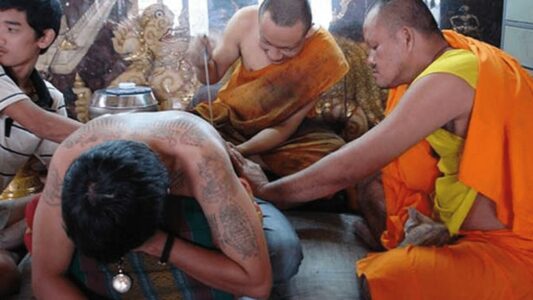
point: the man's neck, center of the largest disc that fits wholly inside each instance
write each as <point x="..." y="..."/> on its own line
<point x="23" y="72"/>
<point x="427" y="54"/>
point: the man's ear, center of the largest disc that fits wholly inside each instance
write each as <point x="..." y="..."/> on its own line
<point x="46" y="40"/>
<point x="408" y="37"/>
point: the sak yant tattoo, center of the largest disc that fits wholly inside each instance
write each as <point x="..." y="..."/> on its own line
<point x="101" y="129"/>
<point x="52" y="190"/>
<point x="214" y="179"/>
<point x="237" y="231"/>
<point x="174" y="132"/>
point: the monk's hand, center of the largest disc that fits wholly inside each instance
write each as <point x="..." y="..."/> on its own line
<point x="248" y="169"/>
<point x="198" y="48"/>
<point x="421" y="230"/>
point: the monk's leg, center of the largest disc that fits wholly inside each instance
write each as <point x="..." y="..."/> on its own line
<point x="371" y="205"/>
<point x="480" y="266"/>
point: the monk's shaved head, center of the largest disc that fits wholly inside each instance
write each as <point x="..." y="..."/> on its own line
<point x="287" y="13"/>
<point x="410" y="13"/>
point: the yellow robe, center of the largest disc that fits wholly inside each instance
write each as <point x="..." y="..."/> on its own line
<point x="497" y="161"/>
<point x="255" y="100"/>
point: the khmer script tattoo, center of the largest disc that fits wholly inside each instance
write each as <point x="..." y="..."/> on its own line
<point x="237" y="230"/>
<point x="102" y="129"/>
<point x="178" y="131"/>
<point x="214" y="179"/>
<point x="52" y="190"/>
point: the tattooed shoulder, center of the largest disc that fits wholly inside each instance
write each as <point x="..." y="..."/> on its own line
<point x="52" y="190"/>
<point x="178" y="131"/>
<point x="101" y="129"/>
<point x="214" y="179"/>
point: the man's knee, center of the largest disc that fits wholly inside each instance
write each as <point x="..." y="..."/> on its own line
<point x="286" y="257"/>
<point x="284" y="245"/>
<point x="9" y="274"/>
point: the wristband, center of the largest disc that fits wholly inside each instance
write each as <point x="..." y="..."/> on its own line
<point x="166" y="249"/>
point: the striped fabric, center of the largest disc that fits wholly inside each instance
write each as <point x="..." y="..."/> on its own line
<point x="17" y="144"/>
<point x="151" y="280"/>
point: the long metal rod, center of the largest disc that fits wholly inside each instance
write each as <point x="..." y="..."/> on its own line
<point x="209" y="99"/>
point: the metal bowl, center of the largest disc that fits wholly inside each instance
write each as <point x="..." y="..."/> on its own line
<point x="127" y="97"/>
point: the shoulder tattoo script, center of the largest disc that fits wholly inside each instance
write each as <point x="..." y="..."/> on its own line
<point x="214" y="180"/>
<point x="174" y="132"/>
<point x="52" y="190"/>
<point x="101" y="129"/>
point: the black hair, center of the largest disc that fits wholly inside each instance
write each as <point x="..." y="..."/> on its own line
<point x="112" y="198"/>
<point x="288" y="12"/>
<point x="412" y="13"/>
<point x="40" y="14"/>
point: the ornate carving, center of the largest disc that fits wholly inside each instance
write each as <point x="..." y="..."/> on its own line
<point x="156" y="51"/>
<point x="83" y="97"/>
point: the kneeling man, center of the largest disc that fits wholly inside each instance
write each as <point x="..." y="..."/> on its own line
<point x="109" y="191"/>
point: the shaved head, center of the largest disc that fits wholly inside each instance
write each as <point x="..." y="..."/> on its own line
<point x="287" y="13"/>
<point x="409" y="13"/>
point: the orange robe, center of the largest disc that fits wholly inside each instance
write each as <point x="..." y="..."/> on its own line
<point x="255" y="100"/>
<point x="497" y="161"/>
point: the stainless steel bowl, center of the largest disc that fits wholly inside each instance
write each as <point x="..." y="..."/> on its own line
<point x="127" y="97"/>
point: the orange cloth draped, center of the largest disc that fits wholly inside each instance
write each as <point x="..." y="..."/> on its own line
<point x="255" y="100"/>
<point x="408" y="181"/>
<point x="497" y="161"/>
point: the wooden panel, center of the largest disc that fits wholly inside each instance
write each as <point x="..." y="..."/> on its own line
<point x="519" y="43"/>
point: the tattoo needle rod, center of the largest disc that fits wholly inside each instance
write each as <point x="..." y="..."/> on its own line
<point x="207" y="78"/>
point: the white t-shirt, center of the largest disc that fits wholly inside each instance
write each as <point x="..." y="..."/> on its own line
<point x="17" y="144"/>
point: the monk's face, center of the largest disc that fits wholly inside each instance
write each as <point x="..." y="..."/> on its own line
<point x="280" y="42"/>
<point x="386" y="55"/>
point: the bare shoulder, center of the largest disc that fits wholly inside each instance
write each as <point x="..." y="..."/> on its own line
<point x="241" y="22"/>
<point x="248" y="13"/>
<point x="444" y="91"/>
<point x="97" y="130"/>
<point x="181" y="128"/>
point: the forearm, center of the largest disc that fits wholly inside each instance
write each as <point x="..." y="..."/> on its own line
<point x="212" y="69"/>
<point x="263" y="141"/>
<point x="325" y="177"/>
<point x="215" y="270"/>
<point x="56" y="128"/>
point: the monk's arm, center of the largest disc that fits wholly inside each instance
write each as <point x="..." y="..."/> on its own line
<point x="241" y="266"/>
<point x="269" y="138"/>
<point x="52" y="249"/>
<point x="225" y="52"/>
<point x="430" y="103"/>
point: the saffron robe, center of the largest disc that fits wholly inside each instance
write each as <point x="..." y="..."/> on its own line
<point x="497" y="162"/>
<point x="255" y="100"/>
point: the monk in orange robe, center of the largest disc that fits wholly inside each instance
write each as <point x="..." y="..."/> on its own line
<point x="456" y="146"/>
<point x="282" y="64"/>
